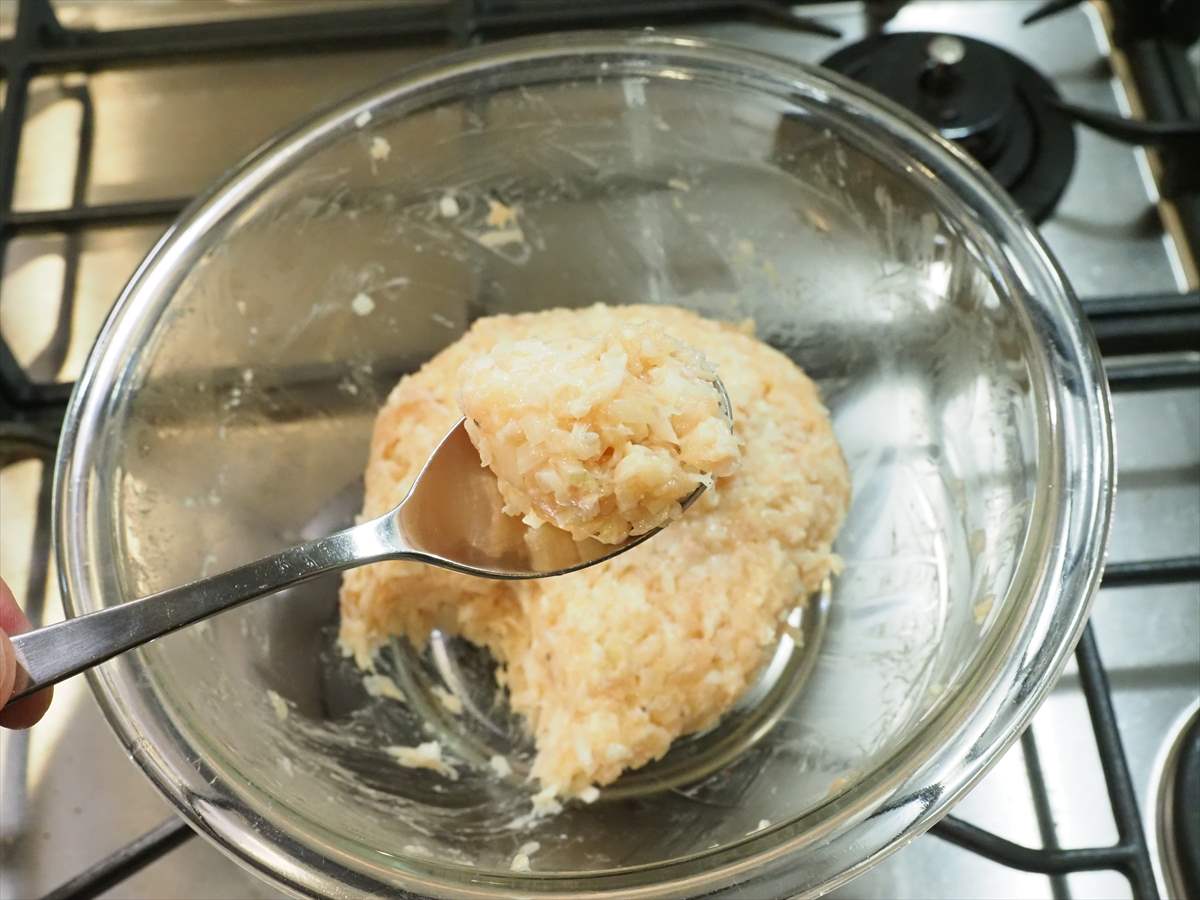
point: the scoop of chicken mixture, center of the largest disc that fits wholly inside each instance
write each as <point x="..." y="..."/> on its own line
<point x="609" y="664"/>
<point x="602" y="436"/>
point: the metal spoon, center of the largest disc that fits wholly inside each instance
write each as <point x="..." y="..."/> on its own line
<point x="452" y="517"/>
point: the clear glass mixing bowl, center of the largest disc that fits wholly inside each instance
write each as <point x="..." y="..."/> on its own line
<point x="226" y="410"/>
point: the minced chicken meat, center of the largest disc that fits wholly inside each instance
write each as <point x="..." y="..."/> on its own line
<point x="609" y="664"/>
<point x="601" y="436"/>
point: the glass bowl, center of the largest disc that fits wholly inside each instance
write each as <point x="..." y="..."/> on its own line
<point x="226" y="410"/>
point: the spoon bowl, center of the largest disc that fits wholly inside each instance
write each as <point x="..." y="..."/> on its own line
<point x="454" y="517"/>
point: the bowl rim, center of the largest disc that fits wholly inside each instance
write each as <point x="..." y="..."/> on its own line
<point x="889" y="806"/>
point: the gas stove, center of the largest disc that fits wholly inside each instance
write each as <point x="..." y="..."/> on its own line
<point x="116" y="113"/>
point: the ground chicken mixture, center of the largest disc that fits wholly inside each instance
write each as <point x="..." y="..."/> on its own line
<point x="608" y="665"/>
<point x="601" y="436"/>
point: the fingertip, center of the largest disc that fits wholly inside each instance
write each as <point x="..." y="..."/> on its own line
<point x="27" y="711"/>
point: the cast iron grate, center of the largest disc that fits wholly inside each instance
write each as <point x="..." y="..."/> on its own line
<point x="1147" y="340"/>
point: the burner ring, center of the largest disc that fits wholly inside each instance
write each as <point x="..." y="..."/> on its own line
<point x="990" y="102"/>
<point x="1178" y="822"/>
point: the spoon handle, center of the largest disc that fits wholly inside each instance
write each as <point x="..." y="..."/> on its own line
<point x="48" y="655"/>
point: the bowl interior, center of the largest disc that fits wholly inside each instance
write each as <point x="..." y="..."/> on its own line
<point x="245" y="407"/>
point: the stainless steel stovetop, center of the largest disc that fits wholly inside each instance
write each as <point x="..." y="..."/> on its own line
<point x="70" y="797"/>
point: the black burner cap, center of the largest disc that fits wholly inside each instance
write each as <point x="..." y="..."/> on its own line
<point x="990" y="102"/>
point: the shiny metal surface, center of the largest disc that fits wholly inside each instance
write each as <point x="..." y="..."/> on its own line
<point x="982" y="480"/>
<point x="945" y="50"/>
<point x="453" y="518"/>
<point x="80" y="797"/>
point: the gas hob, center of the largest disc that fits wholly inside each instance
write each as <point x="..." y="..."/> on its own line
<point x="108" y="130"/>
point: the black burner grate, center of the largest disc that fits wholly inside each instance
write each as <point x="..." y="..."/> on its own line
<point x="1129" y="330"/>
